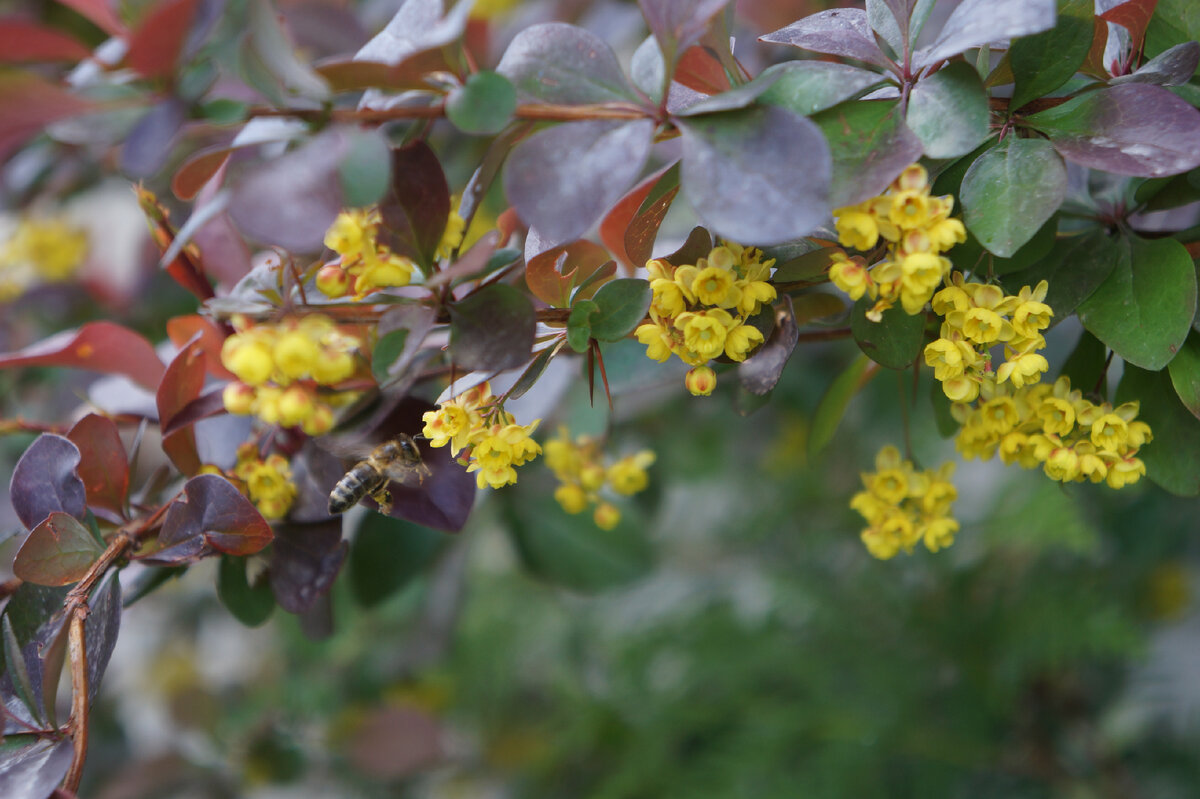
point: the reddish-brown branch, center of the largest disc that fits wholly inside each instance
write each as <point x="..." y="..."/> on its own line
<point x="546" y="112"/>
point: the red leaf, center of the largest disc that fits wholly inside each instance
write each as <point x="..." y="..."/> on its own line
<point x="99" y="346"/>
<point x="180" y="385"/>
<point x="28" y="103"/>
<point x="551" y="275"/>
<point x="617" y="226"/>
<point x="1134" y="16"/>
<point x="197" y="170"/>
<point x="154" y="47"/>
<point x="183" y="268"/>
<point x="25" y="41"/>
<point x="104" y="467"/>
<point x="700" y="70"/>
<point x="347" y="75"/>
<point x="57" y="552"/>
<point x="100" y="13"/>
<point x="1094" y="63"/>
<point x="182" y="329"/>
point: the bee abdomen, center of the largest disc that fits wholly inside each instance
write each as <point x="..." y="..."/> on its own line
<point x="358" y="482"/>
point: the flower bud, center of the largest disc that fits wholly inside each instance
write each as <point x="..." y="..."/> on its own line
<point x="296" y="354"/>
<point x="320" y="421"/>
<point x="592" y="477"/>
<point x="701" y="381"/>
<point x="295" y="405"/>
<point x="238" y="398"/>
<point x="249" y="360"/>
<point x="606" y="516"/>
<point x="333" y="281"/>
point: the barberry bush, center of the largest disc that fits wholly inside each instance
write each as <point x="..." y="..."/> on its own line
<point x="498" y="241"/>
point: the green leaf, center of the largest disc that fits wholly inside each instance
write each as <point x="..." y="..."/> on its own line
<point x="363" y="181"/>
<point x="532" y="372"/>
<point x="971" y="254"/>
<point x="224" y="111"/>
<point x="387" y="554"/>
<point x="621" y="305"/>
<point x="492" y="329"/>
<point x="1145" y="308"/>
<point x="250" y="604"/>
<point x="1185" y="373"/>
<point x="1010" y="191"/>
<point x="57" y="552"/>
<point x="948" y="111"/>
<point x="1045" y="61"/>
<point x="579" y="328"/>
<point x="759" y="174"/>
<point x="387" y="349"/>
<point x="14" y="662"/>
<point x="1074" y="268"/>
<point x="484" y="104"/>
<point x="833" y="404"/>
<point x="1085" y="365"/>
<point x="894" y="341"/>
<point x="573" y="552"/>
<point x="1173" y="458"/>
<point x="870" y="146"/>
<point x="807" y="87"/>
<point x="947" y="425"/>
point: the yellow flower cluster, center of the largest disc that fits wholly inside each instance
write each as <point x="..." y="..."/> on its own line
<point x="977" y="317"/>
<point x="40" y="251"/>
<point x="280" y="368"/>
<point x="579" y="467"/>
<point x="365" y="265"/>
<point x="917" y="227"/>
<point x="489" y="439"/>
<point x="699" y="311"/>
<point x="1071" y="438"/>
<point x="904" y="507"/>
<point x="268" y="482"/>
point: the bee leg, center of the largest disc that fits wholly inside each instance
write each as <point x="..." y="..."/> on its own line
<point x="384" y="499"/>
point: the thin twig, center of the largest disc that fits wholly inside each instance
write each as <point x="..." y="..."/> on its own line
<point x="77" y="646"/>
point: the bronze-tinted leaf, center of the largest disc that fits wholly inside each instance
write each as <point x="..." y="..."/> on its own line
<point x="28" y="103"/>
<point x="553" y="274"/>
<point x="155" y="46"/>
<point x="22" y="41"/>
<point x="678" y="24"/>
<point x="57" y="552"/>
<point x="211" y="517"/>
<point x="416" y="208"/>
<point x="180" y="385"/>
<point x="99" y="346"/>
<point x="630" y="228"/>
<point x="104" y="468"/>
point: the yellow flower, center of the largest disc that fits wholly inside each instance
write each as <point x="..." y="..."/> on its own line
<point x="910" y="209"/>
<point x="715" y="286"/>
<point x="657" y="338"/>
<point x="704" y="332"/>
<point x="856" y="228"/>
<point x="740" y="340"/>
<point x="1057" y="416"/>
<point x="571" y="498"/>
<point x="349" y="234"/>
<point x="606" y="516"/>
<point x="939" y="533"/>
<point x="249" y="360"/>
<point x="450" y="424"/>
<point x="628" y="475"/>
<point x="668" y="299"/>
<point x="1109" y="432"/>
<point x="295" y="354"/>
<point x="1023" y="369"/>
<point x="754" y="294"/>
<point x="268" y="482"/>
<point x="452" y="236"/>
<point x="850" y="275"/>
<point x="1125" y="471"/>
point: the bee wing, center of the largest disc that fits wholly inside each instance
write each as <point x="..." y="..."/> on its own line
<point x="406" y="473"/>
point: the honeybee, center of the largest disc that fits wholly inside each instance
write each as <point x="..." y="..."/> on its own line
<point x="395" y="459"/>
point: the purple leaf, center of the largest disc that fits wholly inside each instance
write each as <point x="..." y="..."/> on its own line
<point x="418" y="25"/>
<point x="212" y="516"/>
<point x="561" y="180"/>
<point x="760" y="372"/>
<point x="678" y="24"/>
<point x="416" y="208"/>
<point x="100" y="630"/>
<point x="978" y="22"/>
<point x="1169" y="68"/>
<point x="759" y="175"/>
<point x="292" y="200"/>
<point x="840" y="31"/>
<point x="559" y="63"/>
<point x="1139" y="130"/>
<point x="46" y="480"/>
<point x="149" y="143"/>
<point x="35" y="770"/>
<point x="492" y="329"/>
<point x="305" y="559"/>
